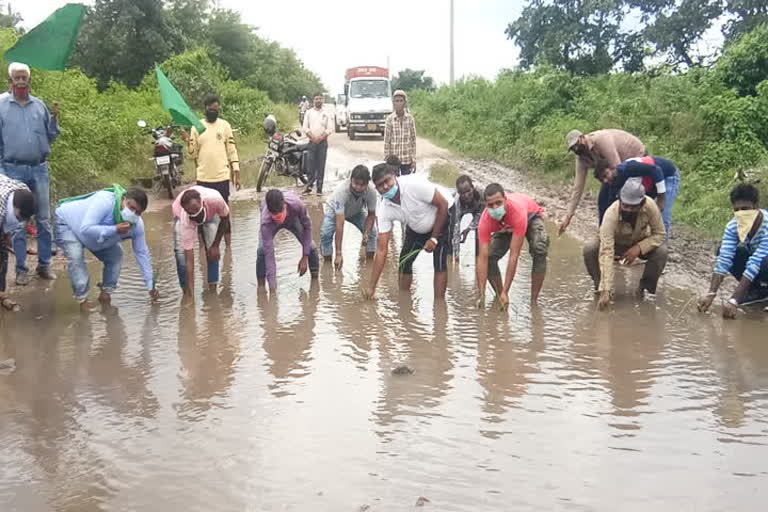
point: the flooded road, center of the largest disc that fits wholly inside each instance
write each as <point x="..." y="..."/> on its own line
<point x="245" y="402"/>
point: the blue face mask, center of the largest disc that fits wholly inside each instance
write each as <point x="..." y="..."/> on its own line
<point x="129" y="216"/>
<point x="391" y="193"/>
<point x="497" y="213"/>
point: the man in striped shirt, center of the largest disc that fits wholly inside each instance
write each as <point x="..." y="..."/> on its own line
<point x="400" y="135"/>
<point x="743" y="252"/>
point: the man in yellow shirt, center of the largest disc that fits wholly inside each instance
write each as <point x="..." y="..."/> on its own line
<point x="214" y="152"/>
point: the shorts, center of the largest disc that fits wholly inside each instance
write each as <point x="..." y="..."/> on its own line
<point x="538" y="247"/>
<point x="414" y="241"/>
<point x="222" y="187"/>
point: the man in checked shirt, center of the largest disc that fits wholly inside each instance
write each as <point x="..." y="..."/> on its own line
<point x="400" y="135"/>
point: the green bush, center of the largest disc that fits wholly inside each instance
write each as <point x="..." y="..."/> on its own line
<point x="702" y="120"/>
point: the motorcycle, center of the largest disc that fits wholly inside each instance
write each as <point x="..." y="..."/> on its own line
<point x="168" y="157"/>
<point x="286" y="154"/>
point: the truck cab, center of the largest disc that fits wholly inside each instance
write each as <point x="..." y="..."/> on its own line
<point x="341" y="112"/>
<point x="369" y="99"/>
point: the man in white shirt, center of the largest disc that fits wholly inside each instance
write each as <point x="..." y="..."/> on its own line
<point x="422" y="208"/>
<point x="318" y="126"/>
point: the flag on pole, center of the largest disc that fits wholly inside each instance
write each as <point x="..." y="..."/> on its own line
<point x="175" y="104"/>
<point x="49" y="45"/>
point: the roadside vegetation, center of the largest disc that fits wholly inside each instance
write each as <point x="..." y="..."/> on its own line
<point x="710" y="120"/>
<point x="110" y="84"/>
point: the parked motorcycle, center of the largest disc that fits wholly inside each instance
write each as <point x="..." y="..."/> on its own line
<point x="286" y="155"/>
<point x="168" y="157"/>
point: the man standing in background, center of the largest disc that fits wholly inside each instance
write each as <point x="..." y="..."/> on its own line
<point x="400" y="135"/>
<point x="27" y="130"/>
<point x="215" y="153"/>
<point x="318" y="126"/>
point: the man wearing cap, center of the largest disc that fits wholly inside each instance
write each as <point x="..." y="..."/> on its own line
<point x="400" y="135"/>
<point x="632" y="228"/>
<point x="27" y="130"/>
<point x="614" y="146"/>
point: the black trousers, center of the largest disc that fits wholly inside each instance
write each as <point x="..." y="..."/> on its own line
<point x="317" y="156"/>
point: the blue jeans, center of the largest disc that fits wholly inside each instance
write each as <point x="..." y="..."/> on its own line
<point x="112" y="258"/>
<point x="36" y="178"/>
<point x="209" y="230"/>
<point x="673" y="187"/>
<point x="298" y="231"/>
<point x="328" y="231"/>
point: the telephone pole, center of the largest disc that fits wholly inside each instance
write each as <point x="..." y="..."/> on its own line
<point x="451" y="76"/>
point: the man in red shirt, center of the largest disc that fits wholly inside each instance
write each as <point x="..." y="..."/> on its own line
<point x="508" y="219"/>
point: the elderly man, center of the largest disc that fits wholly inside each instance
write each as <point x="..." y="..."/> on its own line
<point x="198" y="209"/>
<point x="743" y="252"/>
<point x="284" y="210"/>
<point x="99" y="222"/>
<point x="400" y="135"/>
<point x="422" y="207"/>
<point x="318" y="126"/>
<point x="27" y="130"/>
<point x="632" y="228"/>
<point x="353" y="201"/>
<point x="17" y="204"/>
<point x="614" y="146"/>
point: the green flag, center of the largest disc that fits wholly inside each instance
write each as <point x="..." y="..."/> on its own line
<point x="48" y="45"/>
<point x="175" y="104"/>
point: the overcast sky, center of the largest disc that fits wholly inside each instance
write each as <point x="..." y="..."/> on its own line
<point x="332" y="35"/>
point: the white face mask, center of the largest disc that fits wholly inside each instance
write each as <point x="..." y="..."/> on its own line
<point x="129" y="216"/>
<point x="745" y="219"/>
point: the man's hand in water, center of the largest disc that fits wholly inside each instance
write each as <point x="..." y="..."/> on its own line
<point x="605" y="300"/>
<point x="564" y="225"/>
<point x="729" y="311"/>
<point x="705" y="302"/>
<point x="339" y="261"/>
<point x="154" y="295"/>
<point x="303" y="265"/>
<point x="504" y="300"/>
<point x="632" y="254"/>
<point x="368" y="293"/>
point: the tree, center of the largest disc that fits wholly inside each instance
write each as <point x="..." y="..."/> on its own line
<point x="122" y="40"/>
<point x="10" y="19"/>
<point x="747" y="14"/>
<point x="583" y="37"/>
<point x="411" y="79"/>
<point x="744" y="64"/>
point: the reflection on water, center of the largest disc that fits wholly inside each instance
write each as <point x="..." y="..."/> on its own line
<point x="241" y="400"/>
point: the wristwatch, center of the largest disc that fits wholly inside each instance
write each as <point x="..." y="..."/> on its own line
<point x="433" y="240"/>
<point x="733" y="301"/>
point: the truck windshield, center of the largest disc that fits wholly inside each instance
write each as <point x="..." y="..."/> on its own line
<point x="369" y="89"/>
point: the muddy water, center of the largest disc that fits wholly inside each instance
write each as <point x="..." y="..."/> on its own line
<point x="244" y="402"/>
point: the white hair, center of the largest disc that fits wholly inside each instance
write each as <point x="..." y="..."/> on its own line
<point x="18" y="66"/>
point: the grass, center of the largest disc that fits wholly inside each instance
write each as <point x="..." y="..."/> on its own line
<point x="444" y="173"/>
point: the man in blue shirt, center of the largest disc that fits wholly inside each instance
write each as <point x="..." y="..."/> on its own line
<point x="16" y="204"/>
<point x="27" y="130"/>
<point x="743" y="252"/>
<point x="99" y="222"/>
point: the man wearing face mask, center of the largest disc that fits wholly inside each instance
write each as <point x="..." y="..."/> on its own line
<point x="353" y="201"/>
<point x="284" y="210"/>
<point x="198" y="210"/>
<point x="422" y="207"/>
<point x="214" y="152"/>
<point x="743" y="252"/>
<point x="614" y="146"/>
<point x="17" y="204"/>
<point x="509" y="219"/>
<point x="27" y="130"/>
<point x="99" y="222"/>
<point x="632" y="228"/>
